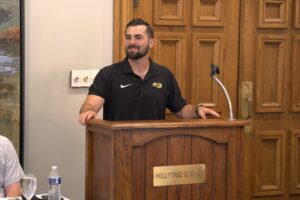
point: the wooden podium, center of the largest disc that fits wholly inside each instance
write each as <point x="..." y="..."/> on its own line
<point x="120" y="157"/>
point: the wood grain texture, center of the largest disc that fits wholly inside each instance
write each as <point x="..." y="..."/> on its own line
<point x="271" y="73"/>
<point x="208" y="13"/>
<point x="175" y="46"/>
<point x="296" y="74"/>
<point x="242" y="23"/>
<point x="274" y="14"/>
<point x="270" y="163"/>
<point x="295" y="162"/>
<point x="296" y="16"/>
<point x="119" y="168"/>
<point x="268" y="60"/>
<point x="170" y="12"/>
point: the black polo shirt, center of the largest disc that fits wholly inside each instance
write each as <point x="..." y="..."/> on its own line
<point x="128" y="97"/>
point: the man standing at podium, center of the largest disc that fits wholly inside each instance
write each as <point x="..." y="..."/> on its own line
<point x="137" y="88"/>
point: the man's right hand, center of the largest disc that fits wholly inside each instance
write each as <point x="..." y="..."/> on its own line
<point x="90" y="108"/>
<point x="84" y="116"/>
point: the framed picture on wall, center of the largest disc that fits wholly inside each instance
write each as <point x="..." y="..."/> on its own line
<point x="11" y="71"/>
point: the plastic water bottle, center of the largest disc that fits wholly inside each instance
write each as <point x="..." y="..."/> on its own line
<point x="54" y="182"/>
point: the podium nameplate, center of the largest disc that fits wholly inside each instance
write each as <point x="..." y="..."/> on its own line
<point x="178" y="174"/>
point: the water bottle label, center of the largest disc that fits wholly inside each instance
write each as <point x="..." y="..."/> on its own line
<point x="54" y="181"/>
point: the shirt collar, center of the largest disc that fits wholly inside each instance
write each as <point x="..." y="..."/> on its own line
<point x="152" y="68"/>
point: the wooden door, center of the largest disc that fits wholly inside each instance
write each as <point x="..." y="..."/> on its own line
<point x="256" y="43"/>
<point x="189" y="36"/>
<point x="269" y="59"/>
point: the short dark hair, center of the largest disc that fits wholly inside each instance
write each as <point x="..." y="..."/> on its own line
<point x="139" y="21"/>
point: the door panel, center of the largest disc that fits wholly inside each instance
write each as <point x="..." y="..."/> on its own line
<point x="207" y="49"/>
<point x="208" y="13"/>
<point x="273" y="14"/>
<point x="295" y="162"/>
<point x="270" y="163"/>
<point x="169" y="12"/>
<point x="297" y="14"/>
<point x="271" y="69"/>
<point x="173" y="45"/>
<point x="296" y="74"/>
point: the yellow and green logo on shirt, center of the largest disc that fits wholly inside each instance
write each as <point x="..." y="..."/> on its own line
<point x="157" y="85"/>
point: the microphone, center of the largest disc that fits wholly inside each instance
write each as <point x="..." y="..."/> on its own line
<point x="214" y="72"/>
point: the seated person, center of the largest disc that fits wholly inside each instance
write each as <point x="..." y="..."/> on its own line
<point x="10" y="169"/>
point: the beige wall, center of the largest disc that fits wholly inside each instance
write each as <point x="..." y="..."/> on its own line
<point x="61" y="35"/>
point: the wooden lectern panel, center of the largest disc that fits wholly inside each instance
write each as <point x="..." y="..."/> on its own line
<point x="179" y="150"/>
<point x="121" y="157"/>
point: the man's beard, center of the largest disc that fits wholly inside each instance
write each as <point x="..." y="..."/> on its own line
<point x="136" y="55"/>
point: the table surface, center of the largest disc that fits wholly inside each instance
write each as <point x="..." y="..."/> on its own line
<point x="19" y="198"/>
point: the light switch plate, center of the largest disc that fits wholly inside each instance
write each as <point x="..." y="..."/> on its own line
<point x="83" y="78"/>
<point x="80" y="78"/>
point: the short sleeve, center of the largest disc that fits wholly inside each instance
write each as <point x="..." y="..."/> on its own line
<point x="100" y="86"/>
<point x="12" y="168"/>
<point x="175" y="100"/>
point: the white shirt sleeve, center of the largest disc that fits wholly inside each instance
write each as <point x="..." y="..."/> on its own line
<point x="12" y="168"/>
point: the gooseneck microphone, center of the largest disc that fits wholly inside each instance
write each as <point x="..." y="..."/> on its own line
<point x="214" y="72"/>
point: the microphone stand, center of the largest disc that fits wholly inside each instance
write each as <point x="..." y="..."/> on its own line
<point x="215" y="71"/>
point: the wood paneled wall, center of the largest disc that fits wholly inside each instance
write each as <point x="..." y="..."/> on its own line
<point x="254" y="41"/>
<point x="269" y="58"/>
<point x="189" y="36"/>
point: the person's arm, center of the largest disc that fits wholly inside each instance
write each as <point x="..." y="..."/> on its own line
<point x="90" y="108"/>
<point x="13" y="190"/>
<point x="12" y="171"/>
<point x="188" y="111"/>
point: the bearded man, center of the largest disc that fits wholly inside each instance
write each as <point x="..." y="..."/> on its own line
<point x="137" y="88"/>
